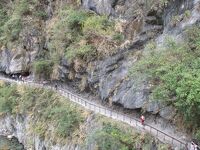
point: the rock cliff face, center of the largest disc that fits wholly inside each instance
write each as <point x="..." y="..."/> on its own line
<point x="140" y="21"/>
<point x="19" y="127"/>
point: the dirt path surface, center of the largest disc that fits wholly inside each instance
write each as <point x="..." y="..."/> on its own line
<point x="175" y="138"/>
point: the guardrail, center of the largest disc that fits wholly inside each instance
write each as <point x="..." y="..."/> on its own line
<point x="124" y="118"/>
<point x="160" y="135"/>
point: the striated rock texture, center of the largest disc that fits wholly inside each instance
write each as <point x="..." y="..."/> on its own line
<point x="140" y="21"/>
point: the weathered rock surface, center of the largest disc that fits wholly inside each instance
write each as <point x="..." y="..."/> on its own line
<point x="103" y="7"/>
<point x="15" y="61"/>
<point x="5" y="59"/>
<point x="168" y="112"/>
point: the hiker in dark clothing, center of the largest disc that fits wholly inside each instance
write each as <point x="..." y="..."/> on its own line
<point x="56" y="86"/>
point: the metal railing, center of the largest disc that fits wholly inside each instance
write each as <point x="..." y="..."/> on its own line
<point x="160" y="135"/>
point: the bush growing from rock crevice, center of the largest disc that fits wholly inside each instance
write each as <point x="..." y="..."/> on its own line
<point x="43" y="69"/>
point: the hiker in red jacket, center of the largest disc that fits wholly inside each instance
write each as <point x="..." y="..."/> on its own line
<point x="142" y="119"/>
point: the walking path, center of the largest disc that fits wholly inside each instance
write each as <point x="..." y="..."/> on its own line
<point x="97" y="108"/>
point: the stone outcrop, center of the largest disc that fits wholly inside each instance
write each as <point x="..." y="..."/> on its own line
<point x="103" y="7"/>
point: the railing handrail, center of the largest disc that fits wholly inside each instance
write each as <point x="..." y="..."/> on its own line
<point x="101" y="107"/>
<point x="120" y="114"/>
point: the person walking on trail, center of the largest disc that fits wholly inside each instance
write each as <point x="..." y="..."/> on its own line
<point x="142" y="119"/>
<point x="56" y="86"/>
<point x="20" y="77"/>
<point x="13" y="76"/>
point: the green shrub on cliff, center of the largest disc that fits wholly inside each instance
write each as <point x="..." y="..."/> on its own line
<point x="67" y="119"/>
<point x="85" y="22"/>
<point x="3" y="18"/>
<point x="13" y="22"/>
<point x="174" y="74"/>
<point x="118" y="37"/>
<point x="43" y="69"/>
<point x="8" y="98"/>
<point x="50" y="108"/>
<point x="12" y="16"/>
<point x="41" y="14"/>
<point x="101" y="25"/>
<point x="12" y="29"/>
<point x="112" y="137"/>
<point x="74" y="26"/>
<point x="79" y="51"/>
<point x="116" y="136"/>
<point x="75" y="19"/>
<point x="47" y="107"/>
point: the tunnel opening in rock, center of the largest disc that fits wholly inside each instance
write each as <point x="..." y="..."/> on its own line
<point x="12" y="143"/>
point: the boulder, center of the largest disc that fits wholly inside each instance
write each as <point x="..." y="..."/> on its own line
<point x="153" y="107"/>
<point x="168" y="112"/>
<point x="103" y="7"/>
<point x="130" y="95"/>
<point x="19" y="63"/>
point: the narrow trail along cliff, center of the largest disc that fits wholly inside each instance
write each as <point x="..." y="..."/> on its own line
<point x="164" y="136"/>
<point x="135" y="56"/>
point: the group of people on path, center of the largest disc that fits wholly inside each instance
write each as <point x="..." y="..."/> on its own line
<point x="18" y="77"/>
<point x="193" y="146"/>
<point x="22" y="78"/>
